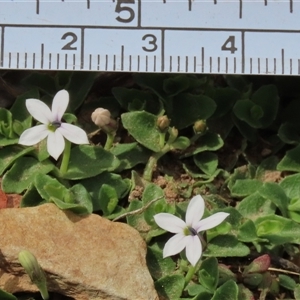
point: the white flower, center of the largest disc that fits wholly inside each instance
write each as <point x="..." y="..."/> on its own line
<point x="187" y="232"/>
<point x="51" y="126"/>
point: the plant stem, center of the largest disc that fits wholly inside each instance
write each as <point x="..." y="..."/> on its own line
<point x="109" y="140"/>
<point x="66" y="157"/>
<point x="189" y="275"/>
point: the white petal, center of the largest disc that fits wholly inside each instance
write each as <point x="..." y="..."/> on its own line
<point x="73" y="133"/>
<point x="39" y="110"/>
<point x="212" y="221"/>
<point x="194" y="211"/>
<point x="193" y="249"/>
<point x="60" y="104"/>
<point x="55" y="144"/>
<point x="175" y="245"/>
<point x="169" y="222"/>
<point x="33" y="135"/>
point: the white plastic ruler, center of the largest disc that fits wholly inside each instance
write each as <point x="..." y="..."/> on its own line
<point x="175" y="36"/>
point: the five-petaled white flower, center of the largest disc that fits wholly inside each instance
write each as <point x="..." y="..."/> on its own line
<point x="187" y="232"/>
<point x="51" y="126"/>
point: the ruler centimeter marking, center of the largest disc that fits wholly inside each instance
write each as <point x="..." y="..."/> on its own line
<point x="178" y="36"/>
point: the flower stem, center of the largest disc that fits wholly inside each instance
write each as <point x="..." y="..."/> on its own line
<point x="109" y="140"/>
<point x="66" y="157"/>
<point x="189" y="275"/>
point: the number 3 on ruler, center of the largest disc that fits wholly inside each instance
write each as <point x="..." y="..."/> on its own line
<point x="229" y="44"/>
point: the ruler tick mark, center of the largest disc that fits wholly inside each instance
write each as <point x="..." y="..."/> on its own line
<point x="258" y="64"/>
<point x="130" y="62"/>
<point x="267" y="67"/>
<point x="25" y="60"/>
<point x="154" y="63"/>
<point x="122" y="58"/>
<point x="291" y="6"/>
<point x="282" y="61"/>
<point x="90" y="62"/>
<point x="37" y="7"/>
<point x="57" y="61"/>
<point x="114" y="66"/>
<point x="98" y="62"/>
<point x="146" y="63"/>
<point x="226" y="65"/>
<point x="251" y="65"/>
<point x="178" y="63"/>
<point x="210" y="64"/>
<point x="274" y="66"/>
<point x="74" y="61"/>
<point x="106" y="62"/>
<point x="234" y="65"/>
<point x="66" y="61"/>
<point x="42" y="56"/>
<point x="202" y="59"/>
<point x="195" y="64"/>
<point x="49" y="61"/>
<point x="33" y="61"/>
<point x="291" y="66"/>
<point x="18" y="60"/>
<point x="9" y="59"/>
<point x="138" y="65"/>
<point x="186" y="64"/>
<point x="298" y="66"/>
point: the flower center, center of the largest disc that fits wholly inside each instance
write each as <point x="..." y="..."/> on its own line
<point x="53" y="126"/>
<point x="190" y="231"/>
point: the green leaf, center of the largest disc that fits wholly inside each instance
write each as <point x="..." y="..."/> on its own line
<point x="226" y="246"/>
<point x="261" y="110"/>
<point x="159" y="266"/>
<point x="176" y="84"/>
<point x="78" y="87"/>
<point x="10" y="154"/>
<point x="208" y="142"/>
<point x="245" y="293"/>
<point x="287" y="282"/>
<point x="153" y="191"/>
<point x="225" y="274"/>
<point x="291" y="161"/>
<point x="23" y="172"/>
<point x="255" y="206"/>
<point x="289" y="134"/>
<point x="278" y="230"/>
<point x="291" y="187"/>
<point x="88" y="161"/>
<point x="188" y="108"/>
<point x="170" y="287"/>
<point x="93" y="186"/>
<point x="44" y="82"/>
<point x="245" y="187"/>
<point x="297" y="292"/>
<point x="274" y="192"/>
<point x="108" y="199"/>
<point x="7" y="296"/>
<point x="181" y="143"/>
<point x="152" y="81"/>
<point x="247" y="232"/>
<point x="32" y="197"/>
<point x="19" y="110"/>
<point x="130" y="155"/>
<point x="228" y="291"/>
<point x="209" y="273"/>
<point x="206" y="162"/>
<point x="128" y="97"/>
<point x="76" y="199"/>
<point x="225" y="98"/>
<point x="258" y="265"/>
<point x="142" y="126"/>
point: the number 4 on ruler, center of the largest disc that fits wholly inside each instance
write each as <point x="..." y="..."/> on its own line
<point x="229" y="44"/>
